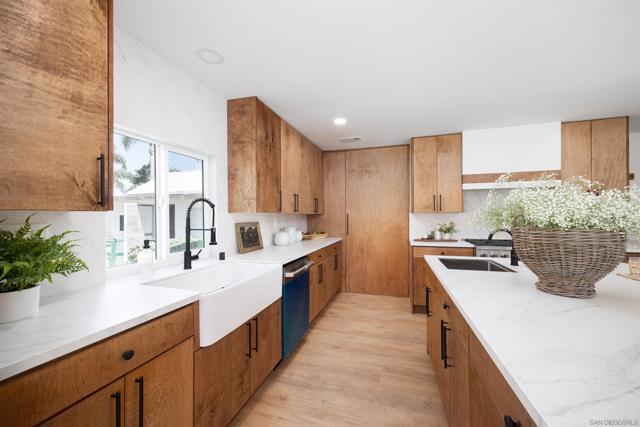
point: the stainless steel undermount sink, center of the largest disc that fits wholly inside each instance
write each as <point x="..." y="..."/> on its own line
<point x="474" y="265"/>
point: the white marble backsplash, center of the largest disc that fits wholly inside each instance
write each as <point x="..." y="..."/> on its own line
<point x="421" y="224"/>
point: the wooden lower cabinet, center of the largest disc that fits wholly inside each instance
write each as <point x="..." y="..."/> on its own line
<point x="267" y="345"/>
<point x="474" y="392"/>
<point x="229" y="371"/>
<point x="325" y="278"/>
<point x="419" y="271"/>
<point x="101" y="409"/>
<point x="160" y="392"/>
<point x="81" y="388"/>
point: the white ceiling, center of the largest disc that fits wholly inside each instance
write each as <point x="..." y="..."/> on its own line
<point x="402" y="68"/>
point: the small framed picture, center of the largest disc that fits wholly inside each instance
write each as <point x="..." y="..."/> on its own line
<point x="248" y="236"/>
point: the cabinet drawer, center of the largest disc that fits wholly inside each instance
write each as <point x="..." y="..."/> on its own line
<point x="497" y="388"/>
<point x="435" y="250"/>
<point x="38" y="394"/>
<point x="324" y="253"/>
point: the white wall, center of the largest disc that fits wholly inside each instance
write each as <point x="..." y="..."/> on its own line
<point x="155" y="98"/>
<point x="512" y="149"/>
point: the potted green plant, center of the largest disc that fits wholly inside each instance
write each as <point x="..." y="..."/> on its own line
<point x="447" y="230"/>
<point x="27" y="258"/>
<point x="569" y="233"/>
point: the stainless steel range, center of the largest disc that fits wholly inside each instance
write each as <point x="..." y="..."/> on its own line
<point x="494" y="248"/>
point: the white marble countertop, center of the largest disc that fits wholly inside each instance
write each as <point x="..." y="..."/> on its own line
<point x="571" y="362"/>
<point x="284" y="254"/>
<point x="441" y="244"/>
<point x="68" y="322"/>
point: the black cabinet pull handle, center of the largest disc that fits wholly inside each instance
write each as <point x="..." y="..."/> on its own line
<point x="441" y="339"/>
<point x="315" y="200"/>
<point x="140" y="382"/>
<point x="335" y="262"/>
<point x="440" y="203"/>
<point x="101" y="199"/>
<point x="510" y="422"/>
<point x="118" y="398"/>
<point x="445" y="358"/>
<point x="347" y="224"/>
<point x="257" y="334"/>
<point x="427" y="300"/>
<point x="321" y="275"/>
<point x="128" y="355"/>
<point x="280" y="200"/>
<point x="248" y="354"/>
<point x="435" y="207"/>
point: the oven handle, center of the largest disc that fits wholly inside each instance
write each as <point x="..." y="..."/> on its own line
<point x="290" y="274"/>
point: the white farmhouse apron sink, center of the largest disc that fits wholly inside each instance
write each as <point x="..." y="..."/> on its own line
<point x="232" y="292"/>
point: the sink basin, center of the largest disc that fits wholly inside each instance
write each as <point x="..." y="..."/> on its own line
<point x="474" y="265"/>
<point x="232" y="292"/>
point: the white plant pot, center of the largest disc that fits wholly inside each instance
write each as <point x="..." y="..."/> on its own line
<point x="446" y="236"/>
<point x="19" y="304"/>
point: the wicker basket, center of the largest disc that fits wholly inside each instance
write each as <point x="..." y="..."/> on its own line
<point x="569" y="263"/>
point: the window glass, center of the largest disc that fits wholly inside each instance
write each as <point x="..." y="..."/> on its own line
<point x="185" y="183"/>
<point x="133" y="218"/>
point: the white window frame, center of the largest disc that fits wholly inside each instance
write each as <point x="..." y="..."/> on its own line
<point x="162" y="148"/>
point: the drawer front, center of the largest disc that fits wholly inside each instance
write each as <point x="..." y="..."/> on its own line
<point x="38" y="394"/>
<point x="335" y="248"/>
<point x="435" y="250"/>
<point x="499" y="391"/>
<point x="324" y="253"/>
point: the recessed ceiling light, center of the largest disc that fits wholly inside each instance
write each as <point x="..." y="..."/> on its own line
<point x="339" y="121"/>
<point x="209" y="56"/>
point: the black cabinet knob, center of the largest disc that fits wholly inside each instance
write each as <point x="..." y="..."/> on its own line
<point x="445" y="306"/>
<point x="510" y="422"/>
<point x="128" y="355"/>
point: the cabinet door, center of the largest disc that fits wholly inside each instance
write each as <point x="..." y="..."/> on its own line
<point x="291" y="158"/>
<point x="482" y="410"/>
<point x="419" y="278"/>
<point x="307" y="176"/>
<point x="450" y="173"/>
<point x="316" y="289"/>
<point x="458" y="355"/>
<point x="222" y="378"/>
<point x="610" y="152"/>
<point x="424" y="174"/>
<point x="268" y="162"/>
<point x="377" y="195"/>
<point x="160" y="392"/>
<point x="576" y="149"/>
<point x="336" y="277"/>
<point x="104" y="408"/>
<point x="267" y="343"/>
<point x="55" y="105"/>
<point x="441" y="346"/>
<point x="318" y="181"/>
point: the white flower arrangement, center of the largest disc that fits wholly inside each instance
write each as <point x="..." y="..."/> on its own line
<point x="577" y="204"/>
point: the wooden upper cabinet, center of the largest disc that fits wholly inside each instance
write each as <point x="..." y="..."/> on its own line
<point x="292" y="157"/>
<point x="610" y="152"/>
<point x="254" y="156"/>
<point x="56" y="105"/>
<point x="576" y="149"/>
<point x="598" y="150"/>
<point x="436" y="173"/>
<point x="424" y="174"/>
<point x="317" y="187"/>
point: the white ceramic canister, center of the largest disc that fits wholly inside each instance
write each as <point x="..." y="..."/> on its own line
<point x="299" y="236"/>
<point x="292" y="234"/>
<point x="281" y="238"/>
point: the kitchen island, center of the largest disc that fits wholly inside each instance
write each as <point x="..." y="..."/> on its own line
<point x="570" y="362"/>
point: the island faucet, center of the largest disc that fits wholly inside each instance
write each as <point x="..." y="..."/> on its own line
<point x="514" y="254"/>
<point x="187" y="250"/>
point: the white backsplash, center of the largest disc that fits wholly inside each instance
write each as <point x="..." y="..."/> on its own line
<point x="421" y="224"/>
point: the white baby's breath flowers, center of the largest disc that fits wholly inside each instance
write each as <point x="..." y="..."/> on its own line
<point x="577" y="204"/>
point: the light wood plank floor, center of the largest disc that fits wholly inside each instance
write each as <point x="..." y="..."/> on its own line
<point x="363" y="363"/>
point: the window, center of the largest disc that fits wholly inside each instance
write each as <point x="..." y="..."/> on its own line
<point x="185" y="183"/>
<point x="153" y="186"/>
<point x="133" y="217"/>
